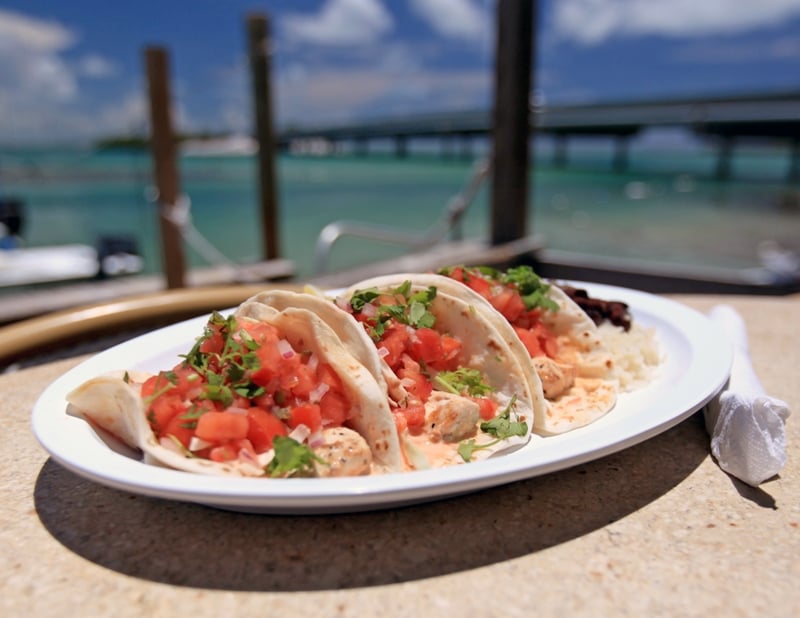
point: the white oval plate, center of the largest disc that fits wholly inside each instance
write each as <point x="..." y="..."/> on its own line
<point x="698" y="362"/>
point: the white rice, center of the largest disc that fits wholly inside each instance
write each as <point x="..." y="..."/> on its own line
<point x="636" y="354"/>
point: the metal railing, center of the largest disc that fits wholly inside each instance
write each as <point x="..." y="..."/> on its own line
<point x="448" y="222"/>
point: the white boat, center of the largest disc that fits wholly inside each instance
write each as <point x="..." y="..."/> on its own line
<point x="21" y="265"/>
<point x="31" y="265"/>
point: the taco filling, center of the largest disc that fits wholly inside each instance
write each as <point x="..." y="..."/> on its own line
<point x="453" y="409"/>
<point x="252" y="398"/>
<point x="573" y="365"/>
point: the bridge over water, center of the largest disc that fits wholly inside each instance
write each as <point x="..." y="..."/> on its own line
<point x="772" y="116"/>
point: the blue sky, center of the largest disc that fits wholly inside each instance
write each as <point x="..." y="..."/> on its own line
<point x="72" y="70"/>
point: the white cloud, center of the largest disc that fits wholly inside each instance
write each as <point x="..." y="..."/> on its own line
<point x="458" y="19"/>
<point x="36" y="35"/>
<point x="40" y="89"/>
<point x="340" y="22"/>
<point x="96" y="67"/>
<point x="593" y="21"/>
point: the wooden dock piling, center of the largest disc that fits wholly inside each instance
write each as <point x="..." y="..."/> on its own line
<point x="165" y="170"/>
<point x="259" y="51"/>
<point x="511" y="157"/>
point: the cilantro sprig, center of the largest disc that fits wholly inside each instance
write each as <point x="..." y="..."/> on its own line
<point x="291" y="458"/>
<point x="462" y="381"/>
<point x="227" y="373"/>
<point x="531" y="287"/>
<point x="501" y="427"/>
<point x="412" y="309"/>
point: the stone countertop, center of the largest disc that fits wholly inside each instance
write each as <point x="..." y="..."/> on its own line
<point x="656" y="529"/>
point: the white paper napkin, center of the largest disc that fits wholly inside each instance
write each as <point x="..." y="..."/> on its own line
<point x="747" y="427"/>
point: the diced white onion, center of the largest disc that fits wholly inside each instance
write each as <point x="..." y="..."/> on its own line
<point x="265" y="457"/>
<point x="300" y="433"/>
<point x="383" y="351"/>
<point x="318" y="393"/>
<point x="247" y="457"/>
<point x="369" y="310"/>
<point x="313" y="362"/>
<point x="197" y="444"/>
<point x="317" y="438"/>
<point x="285" y="348"/>
<point x="342" y="302"/>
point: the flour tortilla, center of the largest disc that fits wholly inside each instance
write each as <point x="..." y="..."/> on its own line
<point x="594" y="393"/>
<point x="116" y="406"/>
<point x="488" y="345"/>
<point x="349" y="331"/>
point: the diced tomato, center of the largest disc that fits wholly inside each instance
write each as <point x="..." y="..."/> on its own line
<point x="457" y="273"/>
<point x="162" y="409"/>
<point x="304" y="380"/>
<point x="538" y="340"/>
<point x="223" y="453"/>
<point x="327" y="375"/>
<point x="547" y="340"/>
<point x="263" y="428"/>
<point x="415" y="416"/>
<point x="179" y="427"/>
<point x="334" y="408"/>
<point x="234" y="449"/>
<point x="269" y="356"/>
<point x="426" y="345"/>
<point x="156" y="385"/>
<point x="530" y="341"/>
<point x="222" y="426"/>
<point x="263" y="375"/>
<point x="308" y="414"/>
<point x="400" y="422"/>
<point x="488" y="408"/>
<point x="451" y="346"/>
<point x="479" y="284"/>
<point x="213" y="343"/>
<point x="395" y="341"/>
<point x="420" y="387"/>
<point x="261" y="332"/>
<point x="509" y="303"/>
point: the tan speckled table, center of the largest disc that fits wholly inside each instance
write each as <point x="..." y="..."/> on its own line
<point x="657" y="530"/>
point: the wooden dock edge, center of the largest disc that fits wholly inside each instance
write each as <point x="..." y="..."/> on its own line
<point x="43" y="300"/>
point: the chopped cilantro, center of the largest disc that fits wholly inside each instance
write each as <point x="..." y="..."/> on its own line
<point x="192" y="414"/>
<point x="501" y="427"/>
<point x="463" y="381"/>
<point x="227" y="372"/>
<point x="291" y="458"/>
<point x="531" y="287"/>
<point x="410" y="309"/>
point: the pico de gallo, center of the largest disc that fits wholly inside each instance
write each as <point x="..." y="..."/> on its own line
<point x="520" y="295"/>
<point x="242" y="391"/>
<point x="402" y="327"/>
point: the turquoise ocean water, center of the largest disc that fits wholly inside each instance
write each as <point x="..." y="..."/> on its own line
<point x="666" y="206"/>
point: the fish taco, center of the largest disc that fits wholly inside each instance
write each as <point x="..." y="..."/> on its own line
<point x="463" y="393"/>
<point x="271" y="394"/>
<point x="562" y="345"/>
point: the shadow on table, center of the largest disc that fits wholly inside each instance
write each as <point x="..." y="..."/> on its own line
<point x="190" y="545"/>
